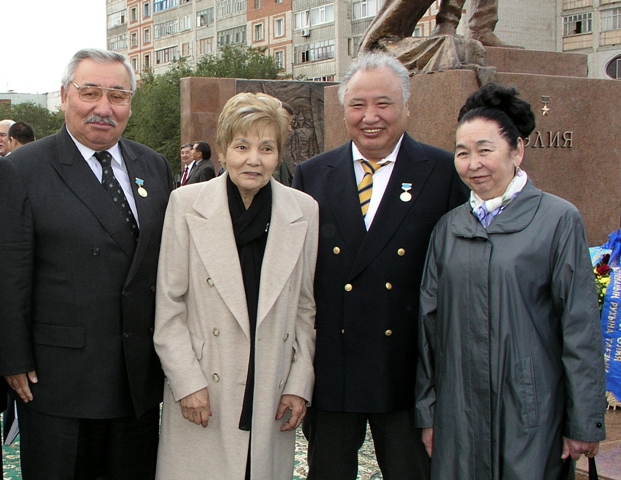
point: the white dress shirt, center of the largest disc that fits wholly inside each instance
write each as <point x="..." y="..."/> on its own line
<point x="380" y="178"/>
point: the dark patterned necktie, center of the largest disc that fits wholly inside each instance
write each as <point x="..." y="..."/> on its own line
<point x="112" y="186"/>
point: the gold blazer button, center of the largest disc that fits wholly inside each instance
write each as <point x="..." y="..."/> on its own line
<point x="348" y="287"/>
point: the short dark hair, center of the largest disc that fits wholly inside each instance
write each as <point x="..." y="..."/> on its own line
<point x="500" y="105"/>
<point x="204" y="148"/>
<point x="22" y="132"/>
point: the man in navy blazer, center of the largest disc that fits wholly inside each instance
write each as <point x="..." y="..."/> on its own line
<point x="81" y="216"/>
<point x="368" y="275"/>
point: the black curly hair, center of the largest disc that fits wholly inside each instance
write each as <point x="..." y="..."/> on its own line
<point x="502" y="106"/>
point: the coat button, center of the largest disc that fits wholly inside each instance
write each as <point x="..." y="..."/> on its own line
<point x="336" y="250"/>
<point x="598" y="424"/>
<point x="216" y="332"/>
<point x="343" y="331"/>
<point x="286" y="337"/>
<point x="401" y="252"/>
<point x="96" y="251"/>
<point x="348" y="287"/>
<point x="210" y="282"/>
<point x="216" y="377"/>
<point x="388" y="333"/>
<point x="388" y="286"/>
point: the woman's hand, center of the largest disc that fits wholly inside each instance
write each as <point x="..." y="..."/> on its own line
<point x="297" y="405"/>
<point x="427" y="438"/>
<point x="575" y="448"/>
<point x="196" y="408"/>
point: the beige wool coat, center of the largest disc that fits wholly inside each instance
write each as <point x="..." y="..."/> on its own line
<point x="202" y="333"/>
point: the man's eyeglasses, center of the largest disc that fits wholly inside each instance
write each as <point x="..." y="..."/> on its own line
<point x="92" y="94"/>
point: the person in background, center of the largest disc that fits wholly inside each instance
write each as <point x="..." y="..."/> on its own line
<point x="20" y="133"/>
<point x="4" y="136"/>
<point x="203" y="170"/>
<point x="187" y="163"/>
<point x="235" y="310"/>
<point x="510" y="378"/>
<point x="379" y="197"/>
<point x="77" y="291"/>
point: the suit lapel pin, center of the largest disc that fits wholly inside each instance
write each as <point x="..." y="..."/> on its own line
<point x="141" y="190"/>
<point x="406" y="196"/>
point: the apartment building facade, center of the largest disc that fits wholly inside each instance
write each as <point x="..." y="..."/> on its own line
<point x="317" y="39"/>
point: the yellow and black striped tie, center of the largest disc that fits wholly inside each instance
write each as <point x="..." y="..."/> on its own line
<point x="365" y="187"/>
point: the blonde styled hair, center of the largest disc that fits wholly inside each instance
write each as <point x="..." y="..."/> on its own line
<point x="251" y="113"/>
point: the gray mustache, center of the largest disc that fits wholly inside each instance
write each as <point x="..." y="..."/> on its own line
<point x="98" y="119"/>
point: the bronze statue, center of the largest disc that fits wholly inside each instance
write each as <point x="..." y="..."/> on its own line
<point x="398" y="18"/>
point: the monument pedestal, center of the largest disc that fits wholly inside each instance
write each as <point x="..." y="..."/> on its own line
<point x="574" y="151"/>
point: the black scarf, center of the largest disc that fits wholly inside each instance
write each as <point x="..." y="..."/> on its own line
<point x="251" y="229"/>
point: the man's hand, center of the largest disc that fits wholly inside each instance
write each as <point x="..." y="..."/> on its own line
<point x="20" y="384"/>
<point x="196" y="408"/>
<point x="297" y="405"/>
<point x="575" y="448"/>
<point x="427" y="438"/>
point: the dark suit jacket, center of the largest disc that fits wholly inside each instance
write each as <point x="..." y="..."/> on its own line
<point x="367" y="283"/>
<point x="77" y="294"/>
<point x="201" y="172"/>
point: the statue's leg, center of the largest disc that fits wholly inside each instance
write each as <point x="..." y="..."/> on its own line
<point x="483" y="20"/>
<point x="448" y="17"/>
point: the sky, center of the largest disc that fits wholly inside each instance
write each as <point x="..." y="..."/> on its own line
<point x="39" y="38"/>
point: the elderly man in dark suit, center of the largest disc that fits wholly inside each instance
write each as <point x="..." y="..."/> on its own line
<point x="81" y="215"/>
<point x="202" y="170"/>
<point x="379" y="197"/>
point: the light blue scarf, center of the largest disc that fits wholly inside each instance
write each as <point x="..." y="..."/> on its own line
<point x="487" y="210"/>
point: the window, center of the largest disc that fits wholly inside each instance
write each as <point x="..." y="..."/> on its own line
<point x="279" y="58"/>
<point x="232" y="36"/>
<point x="205" y="46"/>
<point x="229" y="7"/>
<point x="325" y="78"/>
<point x="133" y="15"/>
<point x="301" y="20"/>
<point x="118" y="42"/>
<point x="611" y="19"/>
<point x="161" y="5"/>
<point x="134" y="40"/>
<point x="323" y="14"/>
<point x="257" y="4"/>
<point x="165" y="55"/>
<point x="258" y="32"/>
<point x="166" y="28"/>
<point x="184" y="1"/>
<point x="313" y="52"/>
<point x="204" y="17"/>
<point x="185" y="49"/>
<point x="185" y="23"/>
<point x="135" y="64"/>
<point x="116" y="19"/>
<point x="613" y="69"/>
<point x="279" y="27"/>
<point x="364" y="8"/>
<point x="577" y="24"/>
<point x="147" y="62"/>
<point x="278" y="1"/>
<point x="147" y="36"/>
<point x="146" y="10"/>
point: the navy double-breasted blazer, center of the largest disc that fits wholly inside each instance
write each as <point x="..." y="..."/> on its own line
<point x="77" y="293"/>
<point x="367" y="283"/>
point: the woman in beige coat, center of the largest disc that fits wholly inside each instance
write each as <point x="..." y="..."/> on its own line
<point x="235" y="313"/>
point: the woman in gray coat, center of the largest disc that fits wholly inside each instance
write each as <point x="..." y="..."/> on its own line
<point x="510" y="379"/>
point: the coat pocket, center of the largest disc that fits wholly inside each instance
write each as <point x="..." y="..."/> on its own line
<point x="69" y="336"/>
<point x="528" y="392"/>
<point x="197" y="346"/>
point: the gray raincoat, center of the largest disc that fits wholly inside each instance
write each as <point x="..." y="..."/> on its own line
<point x="510" y="347"/>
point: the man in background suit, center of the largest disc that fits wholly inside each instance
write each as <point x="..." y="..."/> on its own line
<point x="81" y="214"/>
<point x="20" y="133"/>
<point x="203" y="170"/>
<point x="187" y="163"/>
<point x="379" y="197"/>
